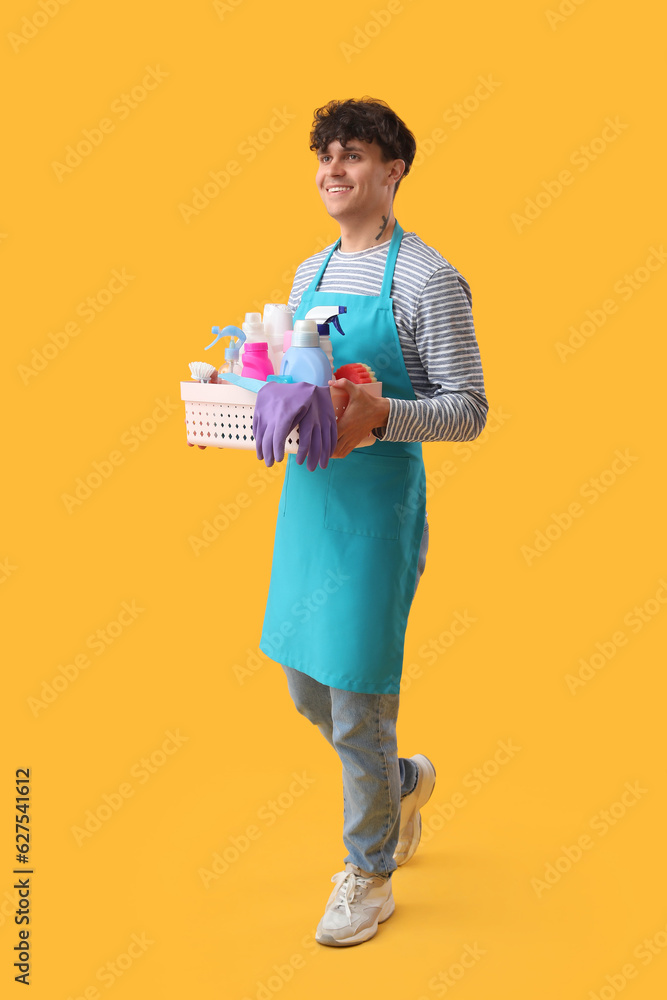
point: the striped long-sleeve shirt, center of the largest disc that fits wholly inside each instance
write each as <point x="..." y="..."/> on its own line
<point x="432" y="310"/>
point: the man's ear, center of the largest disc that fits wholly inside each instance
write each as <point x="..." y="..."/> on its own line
<point x="397" y="171"/>
<point x="395" y="174"/>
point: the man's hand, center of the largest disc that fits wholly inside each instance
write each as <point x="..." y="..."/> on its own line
<point x="362" y="414"/>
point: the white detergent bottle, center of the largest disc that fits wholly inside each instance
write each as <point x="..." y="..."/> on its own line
<point x="277" y="320"/>
<point x="305" y="361"/>
<point x="323" y="316"/>
<point x="253" y="328"/>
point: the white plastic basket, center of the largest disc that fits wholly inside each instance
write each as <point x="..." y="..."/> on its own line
<point x="220" y="416"/>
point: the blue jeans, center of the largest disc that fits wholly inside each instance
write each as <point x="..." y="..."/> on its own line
<point x="362" y="730"/>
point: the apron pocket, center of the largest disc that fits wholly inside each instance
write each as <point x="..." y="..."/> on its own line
<point x="365" y="495"/>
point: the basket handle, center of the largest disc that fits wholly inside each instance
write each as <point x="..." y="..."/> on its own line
<point x="253" y="384"/>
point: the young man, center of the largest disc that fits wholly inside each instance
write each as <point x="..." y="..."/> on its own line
<point x="351" y="533"/>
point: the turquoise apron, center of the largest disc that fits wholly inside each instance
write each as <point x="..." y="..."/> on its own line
<point x="347" y="537"/>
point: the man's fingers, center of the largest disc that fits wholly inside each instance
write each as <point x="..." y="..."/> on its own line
<point x="333" y="426"/>
<point x="340" y="447"/>
<point x="344" y="383"/>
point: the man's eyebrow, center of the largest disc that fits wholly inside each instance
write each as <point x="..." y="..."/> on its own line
<point x="346" y="149"/>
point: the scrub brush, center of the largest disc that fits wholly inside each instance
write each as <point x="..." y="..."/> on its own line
<point x="201" y="371"/>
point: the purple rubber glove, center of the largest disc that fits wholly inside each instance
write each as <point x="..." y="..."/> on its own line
<point x="280" y="407"/>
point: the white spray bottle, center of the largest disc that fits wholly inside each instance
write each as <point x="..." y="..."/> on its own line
<point x="323" y="316"/>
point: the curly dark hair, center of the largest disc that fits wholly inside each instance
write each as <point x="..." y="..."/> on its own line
<point x="369" y="120"/>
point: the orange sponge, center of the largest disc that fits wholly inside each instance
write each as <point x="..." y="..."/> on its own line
<point x="356" y="372"/>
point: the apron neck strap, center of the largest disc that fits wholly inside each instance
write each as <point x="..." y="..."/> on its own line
<point x="394" y="245"/>
<point x="318" y="277"/>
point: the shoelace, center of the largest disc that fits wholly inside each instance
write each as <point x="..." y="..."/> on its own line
<point x="347" y="882"/>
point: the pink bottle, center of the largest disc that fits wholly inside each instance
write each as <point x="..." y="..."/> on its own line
<point x="256" y="361"/>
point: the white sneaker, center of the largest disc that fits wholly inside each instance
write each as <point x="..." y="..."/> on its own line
<point x="355" y="908"/>
<point x="411" y="821"/>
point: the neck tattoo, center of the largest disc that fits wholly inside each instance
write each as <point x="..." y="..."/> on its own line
<point x="385" y="220"/>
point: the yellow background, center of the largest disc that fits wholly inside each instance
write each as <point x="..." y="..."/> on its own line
<point x="554" y="426"/>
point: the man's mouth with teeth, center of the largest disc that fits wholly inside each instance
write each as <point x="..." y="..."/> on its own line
<point x="340" y="187"/>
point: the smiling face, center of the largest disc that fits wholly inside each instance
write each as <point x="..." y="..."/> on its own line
<point x="355" y="183"/>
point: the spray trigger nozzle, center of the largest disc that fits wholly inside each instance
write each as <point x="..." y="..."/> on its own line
<point x="324" y="315"/>
<point x="336" y="323"/>
<point x="227" y="331"/>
